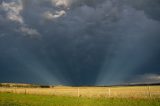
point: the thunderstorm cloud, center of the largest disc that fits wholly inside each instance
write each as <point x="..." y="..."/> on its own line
<point x="79" y="42"/>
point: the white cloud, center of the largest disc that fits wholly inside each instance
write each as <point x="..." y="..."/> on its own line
<point x="13" y="10"/>
<point x="29" y="31"/>
<point x="50" y="16"/>
<point x="64" y="3"/>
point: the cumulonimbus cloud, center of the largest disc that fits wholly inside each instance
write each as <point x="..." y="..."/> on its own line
<point x="87" y="38"/>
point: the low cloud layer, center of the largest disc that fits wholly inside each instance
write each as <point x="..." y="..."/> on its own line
<point x="79" y="42"/>
<point x="147" y="78"/>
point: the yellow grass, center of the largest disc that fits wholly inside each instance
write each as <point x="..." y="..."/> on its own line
<point x="115" y="92"/>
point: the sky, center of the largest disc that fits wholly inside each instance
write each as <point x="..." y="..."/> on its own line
<point x="80" y="42"/>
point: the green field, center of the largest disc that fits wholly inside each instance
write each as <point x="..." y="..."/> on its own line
<point x="9" y="99"/>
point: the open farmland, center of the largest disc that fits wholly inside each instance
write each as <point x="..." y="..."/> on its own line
<point x="81" y="96"/>
<point x="9" y="99"/>
<point x="105" y="92"/>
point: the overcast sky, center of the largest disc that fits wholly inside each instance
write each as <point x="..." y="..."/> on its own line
<point x="80" y="42"/>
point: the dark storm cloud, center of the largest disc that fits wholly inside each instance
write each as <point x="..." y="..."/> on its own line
<point x="150" y="7"/>
<point x="79" y="42"/>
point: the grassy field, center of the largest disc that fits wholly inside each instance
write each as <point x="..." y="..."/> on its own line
<point x="105" y="92"/>
<point x="10" y="99"/>
<point x="81" y="96"/>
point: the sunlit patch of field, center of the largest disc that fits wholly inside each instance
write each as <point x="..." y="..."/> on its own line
<point x="105" y="92"/>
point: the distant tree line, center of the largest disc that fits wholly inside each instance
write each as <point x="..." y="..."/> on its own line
<point x="10" y="85"/>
